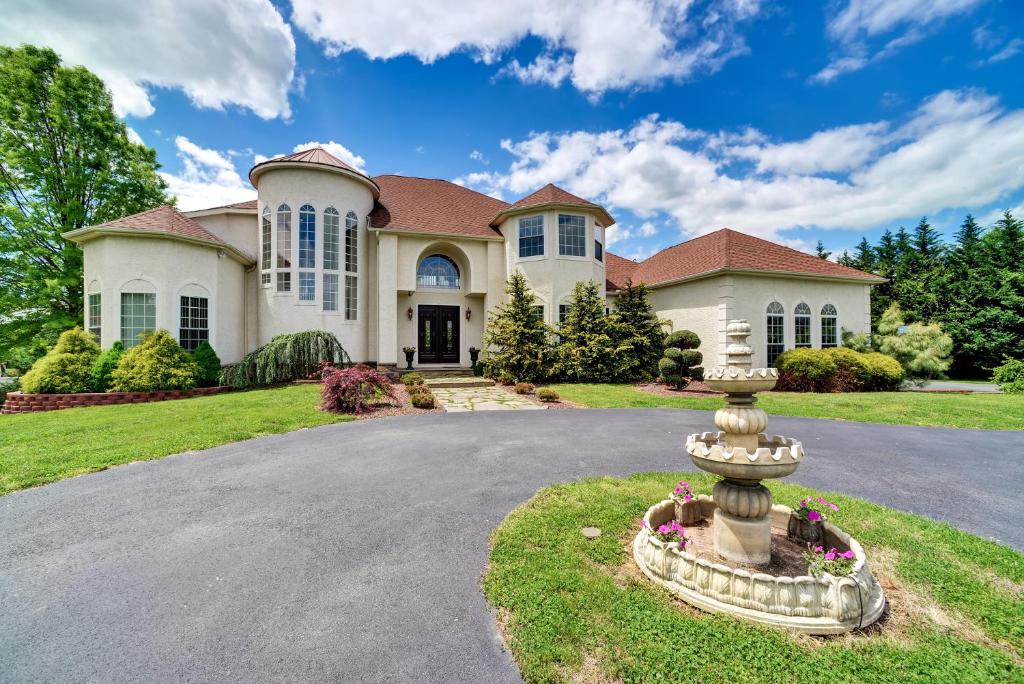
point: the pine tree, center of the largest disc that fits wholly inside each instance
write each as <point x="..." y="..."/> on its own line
<point x="864" y="257"/>
<point x="923" y="349"/>
<point x="1007" y="242"/>
<point x="819" y="250"/>
<point x="636" y="334"/>
<point x="586" y="351"/>
<point x="517" y="340"/>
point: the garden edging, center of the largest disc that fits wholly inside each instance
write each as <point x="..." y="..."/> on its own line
<point x="18" y="402"/>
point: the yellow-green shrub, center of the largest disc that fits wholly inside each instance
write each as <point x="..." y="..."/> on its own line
<point x="66" y="368"/>
<point x="837" y="370"/>
<point x="157" y="363"/>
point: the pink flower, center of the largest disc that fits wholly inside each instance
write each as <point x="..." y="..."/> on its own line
<point x="803" y="503"/>
<point x="847" y="554"/>
<point x="643" y="523"/>
<point x="685" y="484"/>
<point x="833" y="507"/>
<point x="821" y="500"/>
<point x="664" y="529"/>
<point x="819" y="549"/>
<point x="831" y="555"/>
<point x="813" y="516"/>
<point x="687" y="499"/>
<point x="678" y="490"/>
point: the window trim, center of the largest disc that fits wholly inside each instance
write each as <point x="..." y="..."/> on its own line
<point x="266" y="247"/>
<point x="450" y="288"/>
<point x="181" y="321"/>
<point x="802" y="319"/>
<point x="520" y="237"/>
<point x="97" y="329"/>
<point x="307" y="237"/>
<point x="832" y="316"/>
<point x="129" y="343"/>
<point x="562" y="254"/>
<point x="283" y="260"/>
<point x="776" y="311"/>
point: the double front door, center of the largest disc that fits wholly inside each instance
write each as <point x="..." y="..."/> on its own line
<point x="438" y="333"/>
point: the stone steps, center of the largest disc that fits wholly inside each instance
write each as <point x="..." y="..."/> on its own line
<point x="456" y="382"/>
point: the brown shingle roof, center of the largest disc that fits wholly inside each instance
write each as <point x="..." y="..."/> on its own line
<point x="552" y="194"/>
<point x="430" y="205"/>
<point x="617" y="270"/>
<point x="313" y="155"/>
<point x="727" y="249"/>
<point x="164" y="219"/>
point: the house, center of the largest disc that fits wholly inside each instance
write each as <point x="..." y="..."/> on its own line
<point x="387" y="262"/>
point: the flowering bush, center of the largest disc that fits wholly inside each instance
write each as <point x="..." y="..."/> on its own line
<point x="671" y="532"/>
<point x="834" y="562"/>
<point x="352" y="390"/>
<point x="813" y="509"/>
<point x="682" y="492"/>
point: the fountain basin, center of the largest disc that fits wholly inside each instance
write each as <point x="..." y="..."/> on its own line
<point x="733" y="380"/>
<point x="775" y="456"/>
<point x="812" y="605"/>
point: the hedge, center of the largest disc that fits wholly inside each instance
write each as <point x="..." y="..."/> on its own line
<point x="837" y="370"/>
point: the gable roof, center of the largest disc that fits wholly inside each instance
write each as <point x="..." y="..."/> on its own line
<point x="552" y="196"/>
<point x="165" y="221"/>
<point x="430" y="205"/>
<point x="728" y="250"/>
<point x="314" y="156"/>
<point x="618" y="270"/>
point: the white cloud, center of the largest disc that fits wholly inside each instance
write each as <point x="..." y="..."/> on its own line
<point x="597" y="45"/>
<point x="337" y="149"/>
<point x="208" y="178"/>
<point x="134" y="136"/>
<point x="1009" y="50"/>
<point x="959" y="149"/>
<point x="899" y="22"/>
<point x="477" y="155"/>
<point x="219" y="52"/>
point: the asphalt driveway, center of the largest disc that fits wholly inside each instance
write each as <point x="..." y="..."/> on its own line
<point x="353" y="552"/>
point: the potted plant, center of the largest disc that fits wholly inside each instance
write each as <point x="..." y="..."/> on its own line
<point x="409" y="352"/>
<point x="806" y="523"/>
<point x="474" y="354"/>
<point x="687" y="506"/>
<point x="832" y="562"/>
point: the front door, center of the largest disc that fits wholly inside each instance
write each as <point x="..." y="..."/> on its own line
<point x="438" y="334"/>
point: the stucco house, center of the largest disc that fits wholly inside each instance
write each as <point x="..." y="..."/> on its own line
<point x="387" y="262"/>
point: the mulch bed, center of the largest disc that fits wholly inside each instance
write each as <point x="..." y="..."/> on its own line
<point x="787" y="557"/>
<point x="402" y="406"/>
<point x="696" y="388"/>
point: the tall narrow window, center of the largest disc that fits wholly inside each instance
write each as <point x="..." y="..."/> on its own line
<point x="598" y="247"/>
<point x="330" y="292"/>
<point x="265" y="247"/>
<point x="572" y="235"/>
<point x="284" y="247"/>
<point x="138" y="315"/>
<point x="775" y="327"/>
<point x="307" y="286"/>
<point x="829" y="327"/>
<point x="95" y="316"/>
<point x="307" y="236"/>
<point x="332" y="237"/>
<point x="802" y="325"/>
<point x="531" y="236"/>
<point x="563" y="313"/>
<point x="351" y="266"/>
<point x="538" y="311"/>
<point x="194" y="326"/>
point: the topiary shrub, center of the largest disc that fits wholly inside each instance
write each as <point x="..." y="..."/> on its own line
<point x="524" y="388"/>
<point x="681" y="361"/>
<point x="423" y="400"/>
<point x="66" y="368"/>
<point x="355" y="389"/>
<point x="104" y="367"/>
<point x="209" y="364"/>
<point x="156" y="363"/>
<point x="546" y="394"/>
<point x="410" y="379"/>
<point x="1010" y="376"/>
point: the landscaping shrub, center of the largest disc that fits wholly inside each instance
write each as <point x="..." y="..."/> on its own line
<point x="524" y="388"/>
<point x="104" y="367"/>
<point x="411" y="379"/>
<point x="547" y="394"/>
<point x="66" y="368"/>
<point x="419" y="389"/>
<point x="10" y="384"/>
<point x="156" y="363"/>
<point x="423" y="400"/>
<point x="285" y="358"/>
<point x="1010" y="376"/>
<point x="922" y="349"/>
<point x="836" y="370"/>
<point x="517" y="340"/>
<point x="636" y="334"/>
<point x="353" y="390"/>
<point x="681" y="361"/>
<point x="209" y="364"/>
<point x="882" y="372"/>
<point x="586" y="351"/>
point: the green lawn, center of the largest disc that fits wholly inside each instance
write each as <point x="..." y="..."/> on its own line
<point x="577" y="610"/>
<point x="37" y="448"/>
<point x="983" y="411"/>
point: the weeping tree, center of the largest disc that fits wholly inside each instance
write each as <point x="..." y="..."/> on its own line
<point x="285" y="358"/>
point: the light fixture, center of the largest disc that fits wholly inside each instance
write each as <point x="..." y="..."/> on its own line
<point x="408" y="312"/>
<point x="469" y="312"/>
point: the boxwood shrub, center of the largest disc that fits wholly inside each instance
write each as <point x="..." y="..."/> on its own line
<point x="837" y="370"/>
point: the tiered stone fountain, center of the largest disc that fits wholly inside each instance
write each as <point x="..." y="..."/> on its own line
<point x="743" y="516"/>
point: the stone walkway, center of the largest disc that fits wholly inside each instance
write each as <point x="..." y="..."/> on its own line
<point x="459" y="399"/>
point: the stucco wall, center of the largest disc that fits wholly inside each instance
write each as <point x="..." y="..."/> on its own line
<point x="700" y="306"/>
<point x="170" y="269"/>
<point x="283" y="312"/>
<point x="235" y="228"/>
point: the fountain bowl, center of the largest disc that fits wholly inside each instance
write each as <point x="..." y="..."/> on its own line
<point x="734" y="380"/>
<point x="775" y="456"/>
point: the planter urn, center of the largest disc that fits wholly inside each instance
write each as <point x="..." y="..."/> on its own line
<point x="688" y="512"/>
<point x="474" y="354"/>
<point x="409" y="353"/>
<point x="803" y="531"/>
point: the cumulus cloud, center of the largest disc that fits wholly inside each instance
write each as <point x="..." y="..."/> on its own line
<point x="208" y="178"/>
<point x="597" y="45"/>
<point x="958" y="149"/>
<point x="219" y="52"/>
<point x="858" y="25"/>
<point x="337" y="149"/>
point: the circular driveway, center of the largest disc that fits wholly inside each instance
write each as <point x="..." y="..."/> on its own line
<point x="354" y="552"/>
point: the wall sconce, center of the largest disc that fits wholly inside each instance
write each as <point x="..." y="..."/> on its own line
<point x="408" y="312"/>
<point x="469" y="313"/>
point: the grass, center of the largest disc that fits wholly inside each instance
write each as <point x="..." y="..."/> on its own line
<point x="982" y="411"/>
<point x="574" y="609"/>
<point x="37" y="448"/>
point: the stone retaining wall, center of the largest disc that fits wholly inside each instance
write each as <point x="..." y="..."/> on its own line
<point x="31" y="403"/>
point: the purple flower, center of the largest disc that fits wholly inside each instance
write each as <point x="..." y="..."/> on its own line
<point x="664" y="529"/>
<point x="819" y="549"/>
<point x="813" y="516"/>
<point x="685" y="484"/>
<point x="678" y="490"/>
<point x="687" y="498"/>
<point x="803" y="503"/>
<point x="831" y="555"/>
<point x="847" y="554"/>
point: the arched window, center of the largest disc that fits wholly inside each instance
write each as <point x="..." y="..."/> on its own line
<point x="438" y="271"/>
<point x="351" y="266"/>
<point x="775" y="327"/>
<point x="284" y="247"/>
<point x="829" y="327"/>
<point x="802" y="325"/>
<point x="332" y="249"/>
<point x="307" y="236"/>
<point x="265" y="247"/>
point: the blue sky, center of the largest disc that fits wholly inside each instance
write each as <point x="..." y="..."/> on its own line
<point x="792" y="121"/>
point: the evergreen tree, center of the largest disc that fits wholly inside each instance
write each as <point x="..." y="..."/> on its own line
<point x="517" y="340"/>
<point x="923" y="349"/>
<point x="586" y="351"/>
<point x="209" y="364"/>
<point x="819" y="250"/>
<point x="864" y="257"/>
<point x="1007" y="243"/>
<point x="636" y="334"/>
